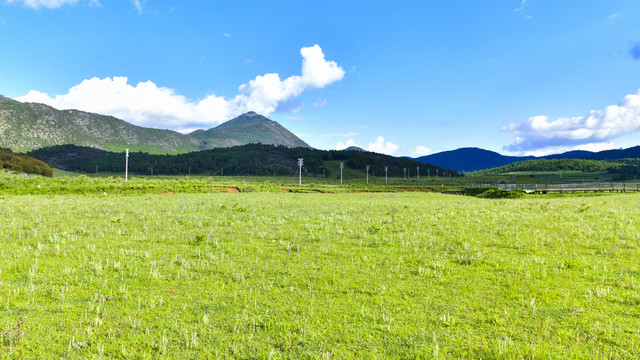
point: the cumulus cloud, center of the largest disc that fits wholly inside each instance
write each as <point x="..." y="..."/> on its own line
<point x="422" y="150"/>
<point x="378" y="146"/>
<point x="147" y="104"/>
<point x="346" y="144"/>
<point x="599" y="126"/>
<point x="383" y="147"/>
<point x="595" y="147"/>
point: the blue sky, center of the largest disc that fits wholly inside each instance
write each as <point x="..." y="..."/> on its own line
<point x="404" y="77"/>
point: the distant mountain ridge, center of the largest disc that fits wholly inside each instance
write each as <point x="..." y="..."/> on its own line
<point x="473" y="159"/>
<point x="29" y="126"/>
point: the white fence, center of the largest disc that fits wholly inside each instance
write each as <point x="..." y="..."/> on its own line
<point x="575" y="187"/>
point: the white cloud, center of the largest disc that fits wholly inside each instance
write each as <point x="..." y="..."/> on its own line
<point x="348" y="143"/>
<point x="422" y="150"/>
<point x="147" y="104"/>
<point x="599" y="126"/>
<point x="383" y="147"/>
<point x="378" y="146"/>
<point x="595" y="147"/>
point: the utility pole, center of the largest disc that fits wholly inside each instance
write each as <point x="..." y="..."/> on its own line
<point x="436" y="173"/>
<point x="341" y="167"/>
<point x="428" y="173"/>
<point x="126" y="166"/>
<point x="405" y="173"/>
<point x="300" y="163"/>
<point x="418" y="169"/>
<point x="367" y="174"/>
<point x="386" y="179"/>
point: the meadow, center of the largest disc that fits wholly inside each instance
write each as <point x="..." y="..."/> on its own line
<point x="117" y="273"/>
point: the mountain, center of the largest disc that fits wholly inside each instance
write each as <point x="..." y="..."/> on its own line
<point x="470" y="159"/>
<point x="28" y="126"/>
<point x="630" y="153"/>
<point x="249" y="128"/>
<point x="473" y="159"/>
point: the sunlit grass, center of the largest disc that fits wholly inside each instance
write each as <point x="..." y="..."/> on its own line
<point x="261" y="275"/>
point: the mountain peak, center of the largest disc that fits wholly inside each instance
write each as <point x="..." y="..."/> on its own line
<point x="248" y="128"/>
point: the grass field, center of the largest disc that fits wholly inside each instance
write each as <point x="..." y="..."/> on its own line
<point x="344" y="275"/>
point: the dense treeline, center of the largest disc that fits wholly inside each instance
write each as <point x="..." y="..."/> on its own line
<point x="23" y="163"/>
<point x="627" y="172"/>
<point x="253" y="159"/>
<point x="543" y="165"/>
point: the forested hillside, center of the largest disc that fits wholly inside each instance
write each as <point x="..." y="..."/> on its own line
<point x="253" y="159"/>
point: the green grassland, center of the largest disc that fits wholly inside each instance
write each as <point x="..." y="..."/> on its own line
<point x="203" y="274"/>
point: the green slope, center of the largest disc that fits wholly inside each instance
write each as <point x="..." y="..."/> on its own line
<point x="27" y="126"/>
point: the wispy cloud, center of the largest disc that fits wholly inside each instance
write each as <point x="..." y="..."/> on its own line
<point x="521" y="10"/>
<point x="320" y="103"/>
<point x="226" y="35"/>
<point x="50" y="4"/>
<point x="138" y="5"/>
<point x="599" y="126"/>
<point x="613" y="16"/>
<point x="147" y="104"/>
